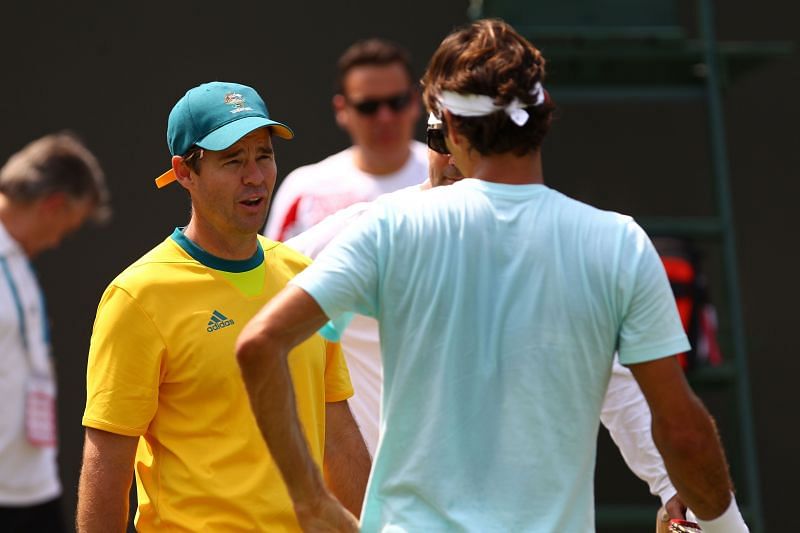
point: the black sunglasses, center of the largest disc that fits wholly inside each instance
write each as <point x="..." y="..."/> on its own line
<point x="434" y="135"/>
<point x="370" y="106"/>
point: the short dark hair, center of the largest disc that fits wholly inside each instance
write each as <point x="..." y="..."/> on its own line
<point x="490" y="58"/>
<point x="371" y="52"/>
<point x="56" y="163"/>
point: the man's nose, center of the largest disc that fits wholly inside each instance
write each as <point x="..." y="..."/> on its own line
<point x="384" y="112"/>
<point x="253" y="174"/>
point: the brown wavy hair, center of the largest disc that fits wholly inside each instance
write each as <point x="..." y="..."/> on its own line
<point x="489" y="57"/>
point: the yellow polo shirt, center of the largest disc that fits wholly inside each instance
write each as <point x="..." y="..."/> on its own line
<point x="162" y="367"/>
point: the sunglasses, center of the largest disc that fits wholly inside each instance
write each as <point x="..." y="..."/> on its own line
<point x="370" y="106"/>
<point x="434" y="136"/>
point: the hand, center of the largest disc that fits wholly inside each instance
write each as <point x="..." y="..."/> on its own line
<point x="675" y="508"/>
<point x="326" y="516"/>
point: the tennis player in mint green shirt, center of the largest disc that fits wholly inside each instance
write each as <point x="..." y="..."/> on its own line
<point x="501" y="303"/>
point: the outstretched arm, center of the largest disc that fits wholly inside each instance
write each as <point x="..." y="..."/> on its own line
<point x="262" y="348"/>
<point x="105" y="481"/>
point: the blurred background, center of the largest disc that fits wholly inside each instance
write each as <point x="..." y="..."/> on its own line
<point x="110" y="72"/>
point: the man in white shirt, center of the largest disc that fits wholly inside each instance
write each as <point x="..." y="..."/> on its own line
<point x="47" y="190"/>
<point x="377" y="104"/>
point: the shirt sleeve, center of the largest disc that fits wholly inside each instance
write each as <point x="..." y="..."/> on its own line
<point x="650" y="327"/>
<point x="337" y="378"/>
<point x="313" y="240"/>
<point x="124" y="367"/>
<point x="627" y="417"/>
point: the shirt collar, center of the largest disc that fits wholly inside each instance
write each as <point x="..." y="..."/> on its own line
<point x="8" y="245"/>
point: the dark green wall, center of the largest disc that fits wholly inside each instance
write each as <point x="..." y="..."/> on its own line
<point x="111" y="71"/>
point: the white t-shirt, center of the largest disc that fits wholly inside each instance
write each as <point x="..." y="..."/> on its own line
<point x="312" y="192"/>
<point x="28" y="473"/>
<point x="500" y="310"/>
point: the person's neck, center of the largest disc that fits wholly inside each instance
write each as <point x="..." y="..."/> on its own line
<point x="225" y="246"/>
<point x="507" y="168"/>
<point x="380" y="163"/>
<point x="17" y="220"/>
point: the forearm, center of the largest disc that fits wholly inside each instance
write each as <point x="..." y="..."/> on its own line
<point x="100" y="510"/>
<point x="288" y="319"/>
<point x="347" y="462"/>
<point x="266" y="376"/>
<point x="686" y="437"/>
<point x="693" y="455"/>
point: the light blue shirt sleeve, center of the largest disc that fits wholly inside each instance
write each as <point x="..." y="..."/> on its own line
<point x="333" y="330"/>
<point x="651" y="326"/>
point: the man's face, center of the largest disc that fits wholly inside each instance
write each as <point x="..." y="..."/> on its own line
<point x="57" y="216"/>
<point x="385" y="129"/>
<point x="232" y="192"/>
<point x="442" y="169"/>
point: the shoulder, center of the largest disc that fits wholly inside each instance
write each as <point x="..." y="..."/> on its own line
<point x="156" y="267"/>
<point x="311" y="173"/>
<point x="588" y="215"/>
<point x="280" y="256"/>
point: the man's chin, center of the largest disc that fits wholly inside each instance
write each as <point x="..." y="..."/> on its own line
<point x="251" y="225"/>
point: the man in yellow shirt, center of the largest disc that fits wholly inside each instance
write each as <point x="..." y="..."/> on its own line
<point x="165" y="396"/>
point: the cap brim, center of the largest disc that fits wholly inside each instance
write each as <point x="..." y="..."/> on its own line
<point x="225" y="136"/>
<point x="166" y="178"/>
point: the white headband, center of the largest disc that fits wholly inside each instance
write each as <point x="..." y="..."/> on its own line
<point x="479" y="105"/>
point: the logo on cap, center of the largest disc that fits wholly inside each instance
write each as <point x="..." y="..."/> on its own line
<point x="237" y="101"/>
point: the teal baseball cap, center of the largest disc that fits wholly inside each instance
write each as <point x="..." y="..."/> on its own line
<point x="214" y="116"/>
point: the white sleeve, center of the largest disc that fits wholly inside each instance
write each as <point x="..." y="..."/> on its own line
<point x="312" y="241"/>
<point x="626" y="415"/>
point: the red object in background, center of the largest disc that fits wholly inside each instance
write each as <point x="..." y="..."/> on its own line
<point x="681" y="276"/>
<point x="697" y="313"/>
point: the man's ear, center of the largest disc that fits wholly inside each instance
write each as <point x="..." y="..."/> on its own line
<point x="339" y="110"/>
<point x="452" y="136"/>
<point x="183" y="174"/>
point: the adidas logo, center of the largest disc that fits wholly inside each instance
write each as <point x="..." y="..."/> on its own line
<point x="218" y="321"/>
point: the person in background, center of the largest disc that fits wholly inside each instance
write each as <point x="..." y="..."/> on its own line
<point x="377" y="104"/>
<point x="48" y="190"/>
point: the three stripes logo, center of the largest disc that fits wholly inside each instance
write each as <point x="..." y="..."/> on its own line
<point x="218" y="321"/>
